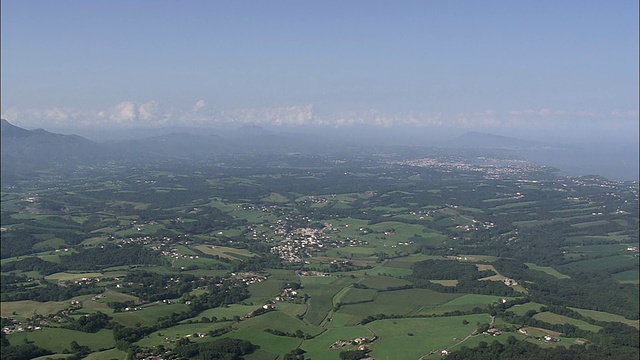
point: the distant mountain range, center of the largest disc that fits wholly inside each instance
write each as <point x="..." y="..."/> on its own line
<point x="36" y="145"/>
<point x="25" y="151"/>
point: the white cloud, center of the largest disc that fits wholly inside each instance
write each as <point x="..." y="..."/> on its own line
<point x="200" y="104"/>
<point x="124" y="112"/>
<point x="149" y="111"/>
<point x="152" y="114"/>
<point x="283" y="115"/>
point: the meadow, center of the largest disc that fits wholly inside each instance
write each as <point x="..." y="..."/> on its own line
<point x="413" y="338"/>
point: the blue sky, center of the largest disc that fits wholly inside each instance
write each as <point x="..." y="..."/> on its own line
<point x="469" y="64"/>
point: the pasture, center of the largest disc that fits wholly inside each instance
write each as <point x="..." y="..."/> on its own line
<point x="291" y="309"/>
<point x="318" y="348"/>
<point x="587" y="224"/>
<point x="26" y="308"/>
<point x="401" y="302"/>
<point x="412" y="338"/>
<point x="225" y="251"/>
<point x="603" y="263"/>
<point x="148" y="315"/>
<point x="269" y="343"/>
<point x="167" y="336"/>
<point x="383" y="282"/>
<point x="462" y="303"/>
<point x="547" y="270"/>
<point x="523" y="308"/>
<point x="560" y="319"/>
<point x="354" y="295"/>
<point x="320" y="302"/>
<point x="50" y="338"/>
<point x="628" y="277"/>
<point x="107" y="354"/>
<point x="604" y="316"/>
<point x="226" y="312"/>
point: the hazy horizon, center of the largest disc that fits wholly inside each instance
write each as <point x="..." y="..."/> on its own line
<point x="566" y="71"/>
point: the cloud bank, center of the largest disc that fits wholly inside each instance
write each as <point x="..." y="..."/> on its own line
<point x="129" y="114"/>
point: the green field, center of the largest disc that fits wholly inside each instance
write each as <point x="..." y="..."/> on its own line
<point x="224" y="251"/>
<point x="590" y="224"/>
<point x="66" y="276"/>
<point x="148" y="315"/>
<point x="291" y="309"/>
<point x="107" y="354"/>
<point x="523" y="308"/>
<point x="26" y="308"/>
<point x="463" y="303"/>
<point x="318" y="348"/>
<point x="168" y="336"/>
<point x="383" y="282"/>
<point x="263" y="291"/>
<point x="413" y="338"/>
<point x="548" y="270"/>
<point x="629" y="276"/>
<point x="587" y="240"/>
<point x="604" y="263"/>
<point x="514" y="205"/>
<point x="445" y="282"/>
<point x="226" y="312"/>
<point x="403" y="302"/>
<point x="358" y="295"/>
<point x="57" y="339"/>
<point x="560" y="319"/>
<point x="320" y="302"/>
<point x="269" y="343"/>
<point x="475" y="299"/>
<point x="603" y="316"/>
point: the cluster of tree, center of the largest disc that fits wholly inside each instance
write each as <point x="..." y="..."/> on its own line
<point x="72" y="236"/>
<point x="524" y="350"/>
<point x="125" y="336"/>
<point x="33" y="264"/>
<point x="227" y="349"/>
<point x="445" y="270"/>
<point x="466" y="274"/>
<point x="205" y="219"/>
<point x="51" y="292"/>
<point x="589" y="290"/>
<point x="612" y="334"/>
<point x="119" y="306"/>
<point x="153" y="286"/>
<point x="353" y="354"/>
<point x="16" y="243"/>
<point x="11" y="279"/>
<point x="111" y="255"/>
<point x="295" y="354"/>
<point x="88" y="259"/>
<point x="228" y="293"/>
<point x="90" y="323"/>
<point x="297" y="334"/>
<point x="15" y="283"/>
<point x="174" y="318"/>
<point x="23" y="352"/>
<point x="258" y="263"/>
<point x="95" y="222"/>
<point x="79" y="351"/>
